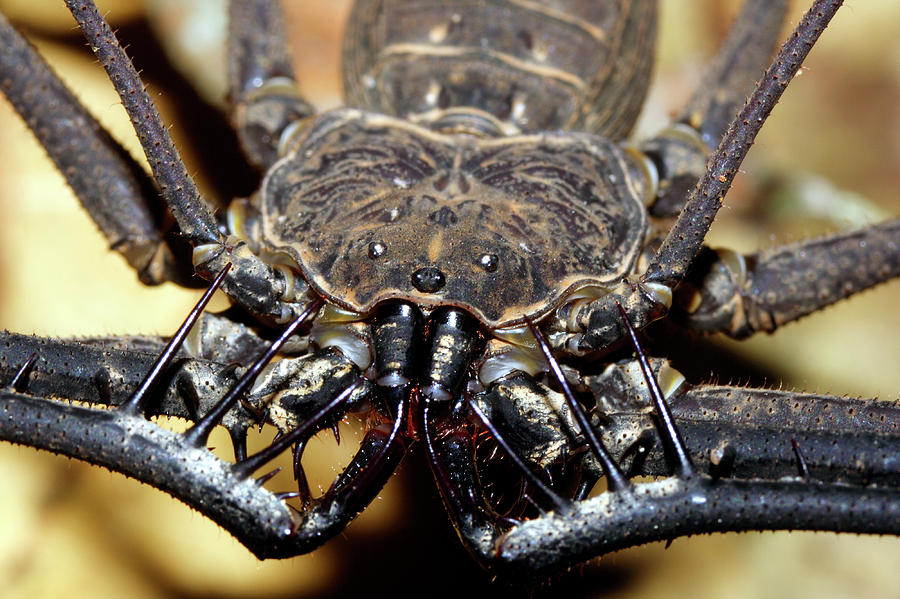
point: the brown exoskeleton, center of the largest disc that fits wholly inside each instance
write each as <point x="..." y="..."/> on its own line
<point x="577" y="341"/>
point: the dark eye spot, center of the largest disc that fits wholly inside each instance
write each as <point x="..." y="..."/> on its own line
<point x="444" y="217"/>
<point x="377" y="249"/>
<point x="526" y="39"/>
<point x="428" y="279"/>
<point x="444" y="99"/>
<point x="489" y="262"/>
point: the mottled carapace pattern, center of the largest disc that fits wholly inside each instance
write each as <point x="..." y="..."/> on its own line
<point x="514" y="224"/>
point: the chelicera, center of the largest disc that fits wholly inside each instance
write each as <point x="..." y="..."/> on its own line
<point x="444" y="244"/>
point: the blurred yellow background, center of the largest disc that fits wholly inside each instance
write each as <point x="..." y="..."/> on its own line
<point x="69" y="529"/>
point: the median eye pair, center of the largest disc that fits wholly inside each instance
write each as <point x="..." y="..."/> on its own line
<point x="430" y="279"/>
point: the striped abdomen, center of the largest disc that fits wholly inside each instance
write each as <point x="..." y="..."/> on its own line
<point x="533" y="66"/>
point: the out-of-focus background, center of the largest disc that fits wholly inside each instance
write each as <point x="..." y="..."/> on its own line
<point x="69" y="529"/>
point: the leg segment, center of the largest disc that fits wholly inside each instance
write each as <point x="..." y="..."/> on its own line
<point x="681" y="151"/>
<point x="739" y="63"/>
<point x="650" y="297"/>
<point x="262" y="87"/>
<point x="191" y="212"/>
<point x="744" y="433"/>
<point x="111" y="186"/>
<point x="684" y="240"/>
<point x="761" y="292"/>
<point x="252" y="283"/>
<point x="106" y="372"/>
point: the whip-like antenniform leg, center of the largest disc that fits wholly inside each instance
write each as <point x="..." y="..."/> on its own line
<point x="193" y="215"/>
<point x="681" y="151"/>
<point x="646" y="301"/>
<point x="252" y="283"/>
<point x="111" y="186"/>
<point x="686" y="236"/>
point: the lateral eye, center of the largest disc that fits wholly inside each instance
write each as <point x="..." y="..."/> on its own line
<point x="489" y="262"/>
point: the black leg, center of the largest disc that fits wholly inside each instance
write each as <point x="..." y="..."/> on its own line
<point x="650" y="297"/>
<point x="252" y="283"/>
<point x="681" y="151"/>
<point x="111" y="186"/>
<point x="105" y="372"/>
<point x="192" y="213"/>
<point x="743" y="295"/>
<point x="263" y="90"/>
<point x="739" y="63"/>
<point x="685" y="239"/>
